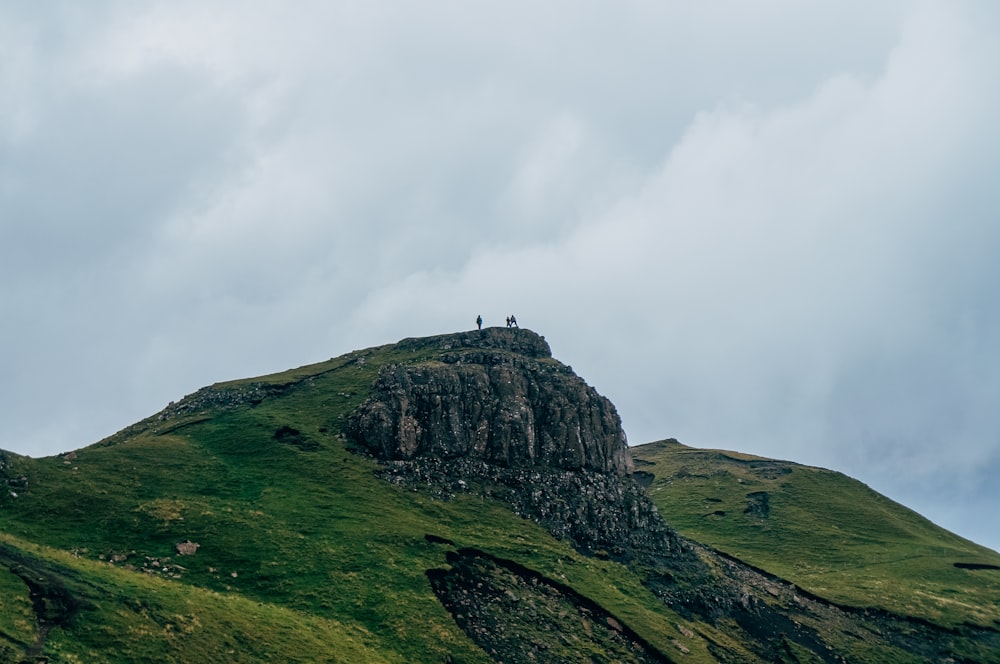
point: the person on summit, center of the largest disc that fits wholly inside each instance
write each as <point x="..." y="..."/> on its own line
<point x="508" y="321"/>
<point x="479" y="322"/>
<point x="512" y="322"/>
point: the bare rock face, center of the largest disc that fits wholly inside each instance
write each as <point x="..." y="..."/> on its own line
<point x="494" y="414"/>
<point x="490" y="413"/>
<point x="495" y="396"/>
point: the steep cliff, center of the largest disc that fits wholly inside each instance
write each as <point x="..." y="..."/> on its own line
<point x="494" y="413"/>
<point x="497" y="396"/>
<point x="491" y="413"/>
<point x="240" y="510"/>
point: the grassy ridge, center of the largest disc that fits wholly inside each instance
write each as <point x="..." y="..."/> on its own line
<point x="823" y="531"/>
<point x="304" y="554"/>
<point x="130" y="617"/>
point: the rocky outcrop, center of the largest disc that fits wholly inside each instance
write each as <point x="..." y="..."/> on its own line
<point x="11" y="481"/>
<point x="600" y="514"/>
<point x="493" y="413"/>
<point x="198" y="406"/>
<point x="512" y="612"/>
<point x="496" y="396"/>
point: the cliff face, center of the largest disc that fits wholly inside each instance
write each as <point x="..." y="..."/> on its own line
<point x="495" y="414"/>
<point x="491" y="413"/>
<point x="264" y="475"/>
<point x="495" y="396"/>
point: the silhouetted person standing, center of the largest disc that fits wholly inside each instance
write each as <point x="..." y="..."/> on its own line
<point x="479" y="322"/>
<point x="512" y="322"/>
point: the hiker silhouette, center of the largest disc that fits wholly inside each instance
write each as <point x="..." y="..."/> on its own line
<point x="479" y="322"/>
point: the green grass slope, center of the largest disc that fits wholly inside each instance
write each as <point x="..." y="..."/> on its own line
<point x="825" y="532"/>
<point x="303" y="553"/>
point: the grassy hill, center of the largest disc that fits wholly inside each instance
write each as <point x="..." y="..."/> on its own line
<point x="823" y="531"/>
<point x="238" y="525"/>
<point x="304" y="554"/>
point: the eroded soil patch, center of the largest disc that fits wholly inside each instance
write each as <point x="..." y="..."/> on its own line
<point x="517" y="615"/>
<point x="53" y="603"/>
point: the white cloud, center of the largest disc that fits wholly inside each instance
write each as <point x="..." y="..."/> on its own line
<point x="766" y="228"/>
<point x="781" y="281"/>
<point x="17" y="68"/>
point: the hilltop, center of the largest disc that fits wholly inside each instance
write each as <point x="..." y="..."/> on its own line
<point x="458" y="498"/>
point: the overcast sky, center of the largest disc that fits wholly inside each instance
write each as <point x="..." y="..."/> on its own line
<point x="770" y="227"/>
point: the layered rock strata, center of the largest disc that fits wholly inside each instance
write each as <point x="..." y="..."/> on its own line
<point x="494" y="405"/>
<point x="491" y="413"/>
<point x="495" y="414"/>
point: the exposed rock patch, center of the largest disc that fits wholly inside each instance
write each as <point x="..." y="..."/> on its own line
<point x="520" y="428"/>
<point x="643" y="479"/>
<point x="52" y="601"/>
<point x="599" y="514"/>
<point x="291" y="436"/>
<point x="525" y="430"/>
<point x="187" y="548"/>
<point x="12" y="482"/>
<point x="494" y="405"/>
<point x="194" y="408"/>
<point x="773" y="611"/>
<point x="517" y="615"/>
<point x="758" y="504"/>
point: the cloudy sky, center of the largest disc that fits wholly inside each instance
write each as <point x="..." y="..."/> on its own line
<point x="769" y="226"/>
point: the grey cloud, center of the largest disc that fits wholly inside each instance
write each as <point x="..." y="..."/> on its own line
<point x="767" y="230"/>
<point x="809" y="282"/>
<point x="105" y="157"/>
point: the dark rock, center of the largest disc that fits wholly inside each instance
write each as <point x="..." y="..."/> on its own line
<point x="758" y="504"/>
<point x="198" y="406"/>
<point x="523" y="342"/>
<point x="494" y="405"/>
<point x="491" y="414"/>
<point x="291" y="436"/>
<point x="11" y="480"/>
<point x="644" y="479"/>
<point x="187" y="548"/>
<point x="600" y="514"/>
<point x="519" y="615"/>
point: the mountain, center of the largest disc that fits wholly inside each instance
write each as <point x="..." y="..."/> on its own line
<point x="461" y="498"/>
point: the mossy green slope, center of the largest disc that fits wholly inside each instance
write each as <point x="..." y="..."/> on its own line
<point x="825" y="532"/>
<point x="303" y="555"/>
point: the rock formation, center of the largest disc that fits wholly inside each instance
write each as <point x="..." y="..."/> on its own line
<point x="493" y="410"/>
<point x="491" y="413"/>
<point x="495" y="396"/>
